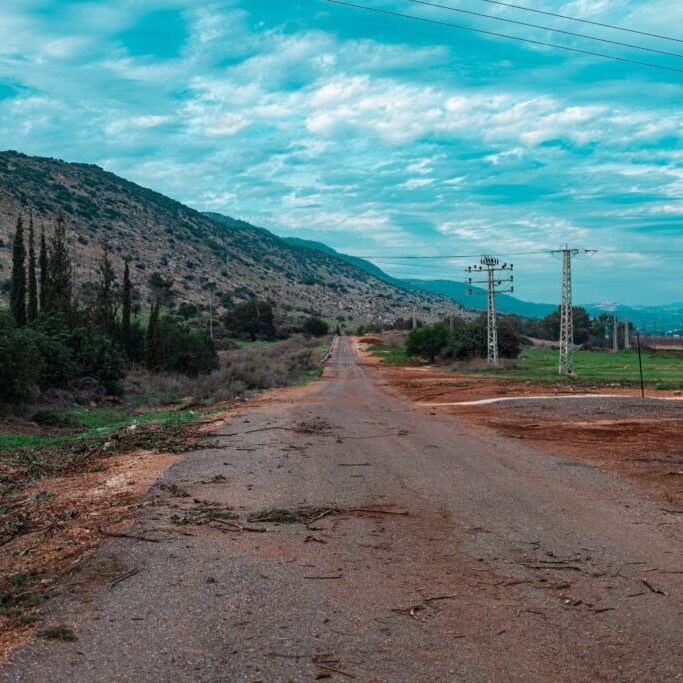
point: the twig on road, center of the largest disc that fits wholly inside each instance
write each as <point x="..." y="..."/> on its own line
<point x="123" y="577"/>
<point x="239" y="527"/>
<point x="652" y="588"/>
<point x="375" y="511"/>
<point x="113" y="534"/>
<point x="320" y="516"/>
<point x="331" y="668"/>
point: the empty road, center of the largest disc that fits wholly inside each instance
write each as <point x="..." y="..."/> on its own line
<point x="455" y="555"/>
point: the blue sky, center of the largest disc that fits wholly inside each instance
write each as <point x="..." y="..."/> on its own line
<point x="375" y="134"/>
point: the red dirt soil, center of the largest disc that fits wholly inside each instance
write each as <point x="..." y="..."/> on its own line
<point x="647" y="449"/>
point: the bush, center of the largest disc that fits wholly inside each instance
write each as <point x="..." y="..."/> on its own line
<point x="315" y="327"/>
<point x="97" y="356"/>
<point x="470" y="340"/>
<point x="49" y="354"/>
<point x="190" y="352"/>
<point x="243" y="370"/>
<point x="253" y="319"/>
<point x="20" y="361"/>
<point x="427" y="341"/>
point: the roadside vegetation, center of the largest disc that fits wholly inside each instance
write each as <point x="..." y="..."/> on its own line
<point x="464" y="349"/>
<point x="663" y="370"/>
<point x="91" y="376"/>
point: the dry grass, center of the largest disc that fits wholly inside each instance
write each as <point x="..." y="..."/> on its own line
<point x="242" y="372"/>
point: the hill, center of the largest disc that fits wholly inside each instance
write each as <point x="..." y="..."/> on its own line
<point x="186" y="254"/>
<point x="666" y="318"/>
<point x="457" y="291"/>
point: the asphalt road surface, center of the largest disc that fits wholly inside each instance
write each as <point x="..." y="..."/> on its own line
<point x="509" y="564"/>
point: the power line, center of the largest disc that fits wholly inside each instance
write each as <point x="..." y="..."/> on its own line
<point x="547" y="28"/>
<point x="386" y="257"/>
<point x="582" y="21"/>
<point x="505" y="35"/>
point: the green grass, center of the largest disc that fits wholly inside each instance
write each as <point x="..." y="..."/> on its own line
<point x="390" y="355"/>
<point x="95" y="422"/>
<point x="259" y="343"/>
<point x="665" y="369"/>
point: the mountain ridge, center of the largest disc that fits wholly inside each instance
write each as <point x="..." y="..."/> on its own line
<point x="192" y="257"/>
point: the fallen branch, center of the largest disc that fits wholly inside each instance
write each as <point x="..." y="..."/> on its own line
<point x="331" y="668"/>
<point x="553" y="567"/>
<point x="123" y="577"/>
<point x="650" y="587"/>
<point x="441" y="597"/>
<point x="320" y="516"/>
<point x="336" y="576"/>
<point x="404" y="513"/>
<point x="133" y="537"/>
<point x="239" y="527"/>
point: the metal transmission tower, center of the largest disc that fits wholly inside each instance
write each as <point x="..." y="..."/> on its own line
<point x="491" y="265"/>
<point x="566" y="366"/>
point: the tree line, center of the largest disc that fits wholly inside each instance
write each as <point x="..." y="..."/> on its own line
<point x="461" y="340"/>
<point x="49" y="339"/>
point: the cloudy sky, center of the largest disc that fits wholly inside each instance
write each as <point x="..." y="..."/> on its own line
<point x="377" y="134"/>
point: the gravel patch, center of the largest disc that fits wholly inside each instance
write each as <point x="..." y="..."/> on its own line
<point x="598" y="408"/>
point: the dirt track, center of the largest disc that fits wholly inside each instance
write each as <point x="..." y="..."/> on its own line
<point x="510" y="564"/>
<point x="613" y="428"/>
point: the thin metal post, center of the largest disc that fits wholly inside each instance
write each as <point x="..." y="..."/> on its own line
<point x="640" y="363"/>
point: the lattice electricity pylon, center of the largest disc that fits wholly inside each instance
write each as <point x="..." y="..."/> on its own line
<point x="491" y="265"/>
<point x="566" y="366"/>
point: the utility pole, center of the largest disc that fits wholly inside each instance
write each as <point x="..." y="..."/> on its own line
<point x="615" y="334"/>
<point x="414" y="317"/>
<point x="491" y="265"/>
<point x="566" y="365"/>
<point x="627" y="334"/>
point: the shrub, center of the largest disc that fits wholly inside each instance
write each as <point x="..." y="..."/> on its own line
<point x="253" y="319"/>
<point x="427" y="341"/>
<point x="315" y="327"/>
<point x="20" y="361"/>
<point x="190" y="352"/>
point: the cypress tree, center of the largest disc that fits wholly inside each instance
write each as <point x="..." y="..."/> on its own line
<point x="18" y="282"/>
<point x="105" y="309"/>
<point x="32" y="284"/>
<point x="153" y="338"/>
<point x="125" y="313"/>
<point x="43" y="264"/>
<point x="59" y="272"/>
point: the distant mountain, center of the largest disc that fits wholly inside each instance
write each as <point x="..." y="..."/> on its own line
<point x="353" y="260"/>
<point x="187" y="252"/>
<point x="666" y="318"/>
<point x="457" y="291"/>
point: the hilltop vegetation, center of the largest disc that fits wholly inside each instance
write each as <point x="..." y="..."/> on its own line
<point x="184" y="256"/>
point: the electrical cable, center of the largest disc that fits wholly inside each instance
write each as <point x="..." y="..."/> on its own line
<point x="583" y="21"/>
<point x="448" y="24"/>
<point x="547" y="28"/>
